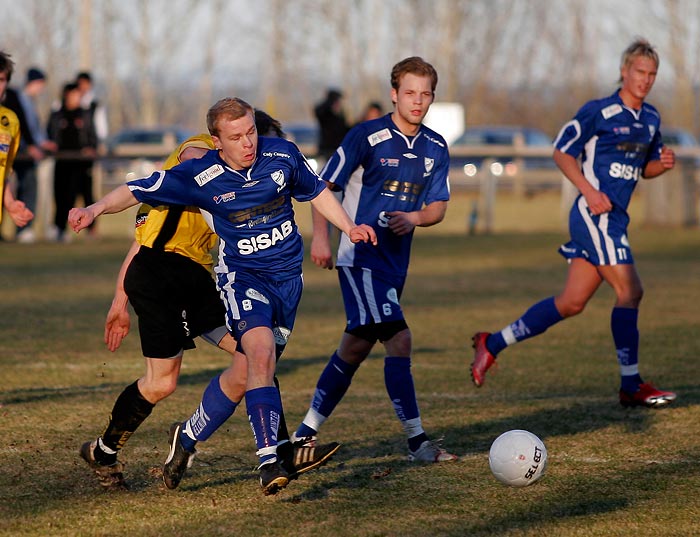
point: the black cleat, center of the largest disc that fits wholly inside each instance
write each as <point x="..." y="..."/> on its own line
<point x="305" y="457"/>
<point x="273" y="478"/>
<point x="179" y="459"/>
<point x="110" y="476"/>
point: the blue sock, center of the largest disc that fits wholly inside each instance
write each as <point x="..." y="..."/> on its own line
<point x="330" y="389"/>
<point x="264" y="408"/>
<point x="399" y="386"/>
<point x="213" y="411"/>
<point x="536" y="320"/>
<point x="623" y="323"/>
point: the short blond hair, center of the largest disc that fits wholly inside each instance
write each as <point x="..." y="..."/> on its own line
<point x="639" y="47"/>
<point x="231" y="108"/>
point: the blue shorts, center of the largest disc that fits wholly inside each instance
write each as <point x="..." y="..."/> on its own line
<point x="370" y="297"/>
<point x="252" y="301"/>
<point x="600" y="239"/>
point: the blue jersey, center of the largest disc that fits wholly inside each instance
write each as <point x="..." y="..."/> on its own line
<point x="615" y="142"/>
<point x="250" y="210"/>
<point x="396" y="174"/>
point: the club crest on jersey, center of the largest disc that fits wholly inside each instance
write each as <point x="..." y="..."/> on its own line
<point x="210" y="173"/>
<point x="278" y="177"/>
<point x="612" y="110"/>
<point x="429" y="162"/>
<point x="652" y="130"/>
<point x="379" y="137"/>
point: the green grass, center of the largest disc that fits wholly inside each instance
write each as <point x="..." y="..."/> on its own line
<point x="612" y="471"/>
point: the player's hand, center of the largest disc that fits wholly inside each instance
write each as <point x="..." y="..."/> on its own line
<point x="321" y="253"/>
<point x="19" y="213"/>
<point x="116" y="327"/>
<point x="402" y="223"/>
<point x="363" y="233"/>
<point x="80" y="218"/>
<point x="667" y="158"/>
<point x="598" y="202"/>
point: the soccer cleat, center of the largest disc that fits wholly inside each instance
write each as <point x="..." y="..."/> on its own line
<point x="307" y="441"/>
<point x="306" y="457"/>
<point x="648" y="396"/>
<point x="273" y="478"/>
<point x="430" y="451"/>
<point x="483" y="359"/>
<point x="179" y="459"/>
<point x="110" y="476"/>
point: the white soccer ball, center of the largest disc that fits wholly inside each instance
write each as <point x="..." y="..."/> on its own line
<point x="518" y="458"/>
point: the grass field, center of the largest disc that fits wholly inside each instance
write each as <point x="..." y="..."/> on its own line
<point x="612" y="471"/>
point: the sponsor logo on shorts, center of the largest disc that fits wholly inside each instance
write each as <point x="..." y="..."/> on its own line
<point x="210" y="173"/>
<point x="242" y="325"/>
<point x="256" y="295"/>
<point x="392" y="296"/>
<point x="281" y="334"/>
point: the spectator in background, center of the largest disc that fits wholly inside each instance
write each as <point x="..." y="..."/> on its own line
<point x="373" y="110"/>
<point x="332" y="124"/>
<point x="72" y="130"/>
<point x="89" y="102"/>
<point x="33" y="143"/>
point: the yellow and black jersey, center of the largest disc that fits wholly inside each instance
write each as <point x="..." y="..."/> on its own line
<point x="9" y="143"/>
<point x="177" y="229"/>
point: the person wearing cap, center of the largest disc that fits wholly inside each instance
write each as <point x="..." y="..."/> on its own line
<point x="33" y="145"/>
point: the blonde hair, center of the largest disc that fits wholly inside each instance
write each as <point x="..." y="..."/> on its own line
<point x="639" y="47"/>
<point x="231" y="108"/>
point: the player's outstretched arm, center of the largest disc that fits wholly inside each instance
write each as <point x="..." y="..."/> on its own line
<point x="116" y="201"/>
<point x="330" y="207"/>
<point x="118" y="320"/>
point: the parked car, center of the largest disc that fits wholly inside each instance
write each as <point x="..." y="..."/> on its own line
<point x="305" y="135"/>
<point x="138" y="151"/>
<point x="502" y="161"/>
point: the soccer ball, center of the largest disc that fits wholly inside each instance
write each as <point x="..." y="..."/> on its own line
<point x="518" y="458"/>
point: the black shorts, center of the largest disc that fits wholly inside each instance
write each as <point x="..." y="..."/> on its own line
<point x="175" y="300"/>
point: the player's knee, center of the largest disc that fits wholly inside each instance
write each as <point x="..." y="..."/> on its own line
<point x="571" y="308"/>
<point x="155" y="390"/>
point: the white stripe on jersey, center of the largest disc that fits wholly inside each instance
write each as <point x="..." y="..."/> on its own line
<point x="592" y="229"/>
<point x="587" y="167"/>
<point x="369" y="293"/>
<point x="577" y="127"/>
<point x="351" y="202"/>
<point x="341" y="156"/>
<point x="358" y="299"/>
<point x="156" y="185"/>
